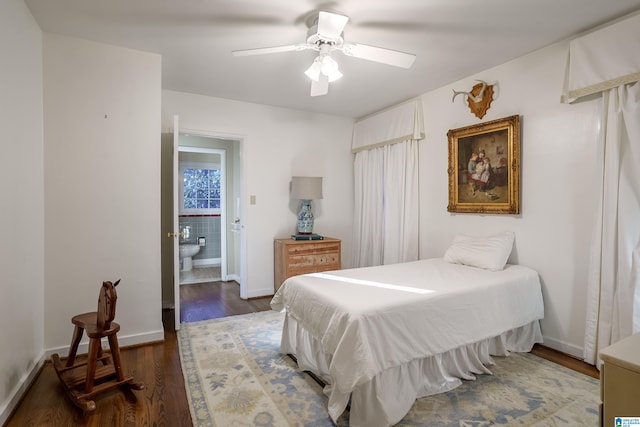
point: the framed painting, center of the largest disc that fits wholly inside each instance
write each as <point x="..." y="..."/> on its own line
<point x="484" y="167"/>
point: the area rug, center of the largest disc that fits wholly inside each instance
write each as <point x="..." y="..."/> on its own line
<point x="235" y="376"/>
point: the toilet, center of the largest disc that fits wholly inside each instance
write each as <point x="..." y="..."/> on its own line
<point x="187" y="250"/>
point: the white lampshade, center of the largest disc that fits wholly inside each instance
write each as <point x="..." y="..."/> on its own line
<point x="306" y="187"/>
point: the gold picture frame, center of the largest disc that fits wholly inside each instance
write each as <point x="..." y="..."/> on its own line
<point x="489" y="182"/>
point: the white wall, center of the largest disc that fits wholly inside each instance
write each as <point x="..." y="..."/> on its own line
<point x="557" y="202"/>
<point x="102" y="189"/>
<point x="277" y="144"/>
<point x="21" y="202"/>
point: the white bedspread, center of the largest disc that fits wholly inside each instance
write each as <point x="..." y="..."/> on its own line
<point x="371" y="319"/>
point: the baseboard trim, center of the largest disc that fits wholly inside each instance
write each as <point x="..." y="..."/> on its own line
<point x="260" y="293"/>
<point x="233" y="277"/>
<point x="124" y="341"/>
<point x="570" y="349"/>
<point x="20" y="390"/>
<point x="207" y="262"/>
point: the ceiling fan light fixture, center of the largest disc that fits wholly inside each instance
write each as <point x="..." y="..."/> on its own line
<point x="326" y="65"/>
<point x="329" y="67"/>
<point x="313" y="72"/>
<point x="335" y="75"/>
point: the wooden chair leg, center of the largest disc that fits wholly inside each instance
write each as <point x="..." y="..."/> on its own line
<point x="105" y="360"/>
<point x="75" y="341"/>
<point x="92" y="359"/>
<point x="115" y="356"/>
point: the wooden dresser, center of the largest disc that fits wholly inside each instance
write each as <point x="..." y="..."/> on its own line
<point x="293" y="257"/>
<point x="620" y="381"/>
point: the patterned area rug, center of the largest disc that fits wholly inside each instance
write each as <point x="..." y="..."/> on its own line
<point x="235" y="376"/>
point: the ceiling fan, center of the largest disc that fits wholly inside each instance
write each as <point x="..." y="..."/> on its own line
<point x="324" y="36"/>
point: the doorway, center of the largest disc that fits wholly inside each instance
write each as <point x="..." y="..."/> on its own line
<point x="225" y="262"/>
<point x="212" y="212"/>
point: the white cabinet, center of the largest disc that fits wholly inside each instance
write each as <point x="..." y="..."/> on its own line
<point x="620" y="381"/>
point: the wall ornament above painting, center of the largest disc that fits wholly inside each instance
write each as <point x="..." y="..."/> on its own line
<point x="484" y="167"/>
<point x="479" y="98"/>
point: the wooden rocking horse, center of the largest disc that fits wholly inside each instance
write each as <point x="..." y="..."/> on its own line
<point x="83" y="386"/>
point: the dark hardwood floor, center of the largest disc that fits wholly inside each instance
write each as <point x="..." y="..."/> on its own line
<point x="157" y="365"/>
<point x="565" y="360"/>
<point x="201" y="301"/>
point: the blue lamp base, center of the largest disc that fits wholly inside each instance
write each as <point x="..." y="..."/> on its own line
<point x="305" y="218"/>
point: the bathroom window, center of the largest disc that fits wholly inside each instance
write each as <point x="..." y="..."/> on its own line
<point x="200" y="189"/>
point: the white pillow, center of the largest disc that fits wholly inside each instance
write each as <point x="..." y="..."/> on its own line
<point x="490" y="253"/>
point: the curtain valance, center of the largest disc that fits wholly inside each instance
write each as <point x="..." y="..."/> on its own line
<point x="396" y="124"/>
<point x="603" y="59"/>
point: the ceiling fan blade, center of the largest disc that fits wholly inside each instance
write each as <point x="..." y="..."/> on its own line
<point x="320" y="87"/>
<point x="379" y="54"/>
<point x="331" y="25"/>
<point x="263" y="50"/>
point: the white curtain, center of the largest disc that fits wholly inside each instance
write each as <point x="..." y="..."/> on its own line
<point x="400" y="243"/>
<point x="386" y="186"/>
<point x="368" y="210"/>
<point x="606" y="62"/>
<point x="603" y="59"/>
<point x="613" y="304"/>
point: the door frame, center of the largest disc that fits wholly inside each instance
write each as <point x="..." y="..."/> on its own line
<point x="177" y="131"/>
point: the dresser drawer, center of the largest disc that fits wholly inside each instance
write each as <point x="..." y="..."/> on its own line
<point x="306" y="262"/>
<point x="313" y="249"/>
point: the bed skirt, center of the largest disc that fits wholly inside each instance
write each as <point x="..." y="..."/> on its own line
<point x="387" y="397"/>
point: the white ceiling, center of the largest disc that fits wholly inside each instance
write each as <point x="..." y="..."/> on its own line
<point x="452" y="39"/>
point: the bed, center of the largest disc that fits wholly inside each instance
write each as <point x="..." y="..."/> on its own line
<point x="381" y="337"/>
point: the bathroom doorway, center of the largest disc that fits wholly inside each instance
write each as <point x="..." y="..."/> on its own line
<point x="232" y="256"/>
<point x="209" y="213"/>
<point x="202" y="199"/>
